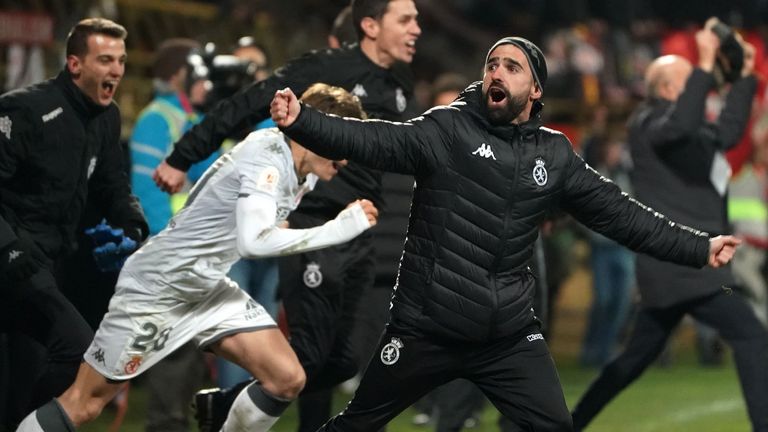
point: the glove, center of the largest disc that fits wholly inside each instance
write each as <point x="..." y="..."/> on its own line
<point x="110" y="257"/>
<point x="103" y="233"/>
<point x="112" y="246"/>
<point x="20" y="260"/>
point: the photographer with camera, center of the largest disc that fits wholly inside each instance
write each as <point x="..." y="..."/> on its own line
<point x="680" y="171"/>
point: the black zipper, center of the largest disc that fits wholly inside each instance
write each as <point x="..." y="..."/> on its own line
<point x="500" y="254"/>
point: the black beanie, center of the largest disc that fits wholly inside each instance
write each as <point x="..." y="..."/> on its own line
<point x="535" y="57"/>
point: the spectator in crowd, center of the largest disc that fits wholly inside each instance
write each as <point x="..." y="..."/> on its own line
<point x="247" y="48"/>
<point x="175" y="289"/>
<point x="463" y="303"/>
<point x="179" y="89"/>
<point x="343" y="29"/>
<point x="748" y="213"/>
<point x="326" y="294"/>
<point x="679" y="170"/>
<point x="59" y="146"/>
<point x="613" y="265"/>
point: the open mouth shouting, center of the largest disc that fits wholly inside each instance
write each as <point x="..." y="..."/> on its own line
<point x="108" y="88"/>
<point x="496" y="96"/>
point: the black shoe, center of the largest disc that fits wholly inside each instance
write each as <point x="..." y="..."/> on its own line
<point x="210" y="409"/>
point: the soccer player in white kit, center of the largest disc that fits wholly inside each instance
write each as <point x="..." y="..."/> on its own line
<point x="174" y="288"/>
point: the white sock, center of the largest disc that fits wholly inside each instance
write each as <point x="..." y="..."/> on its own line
<point x="30" y="424"/>
<point x="48" y="418"/>
<point x="254" y="410"/>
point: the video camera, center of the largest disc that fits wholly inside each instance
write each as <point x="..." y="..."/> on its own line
<point x="226" y="73"/>
<point x="730" y="56"/>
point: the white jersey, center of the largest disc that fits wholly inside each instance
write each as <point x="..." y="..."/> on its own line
<point x="199" y="245"/>
<point x="174" y="288"/>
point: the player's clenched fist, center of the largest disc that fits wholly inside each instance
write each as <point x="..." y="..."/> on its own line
<point x="370" y="210"/>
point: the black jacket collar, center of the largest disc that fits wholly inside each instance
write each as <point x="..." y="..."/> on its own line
<point x="86" y="108"/>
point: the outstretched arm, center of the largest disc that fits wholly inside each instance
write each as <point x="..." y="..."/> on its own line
<point x="416" y="146"/>
<point x="259" y="235"/>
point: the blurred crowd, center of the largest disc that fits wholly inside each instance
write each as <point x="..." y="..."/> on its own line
<point x="597" y="54"/>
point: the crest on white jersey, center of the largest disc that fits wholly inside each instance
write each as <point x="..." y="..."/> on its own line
<point x="268" y="180"/>
<point x="540" y="175"/>
<point x="400" y="100"/>
<point x="359" y="91"/>
<point x="312" y="275"/>
<point x="5" y="126"/>
<point x="390" y="354"/>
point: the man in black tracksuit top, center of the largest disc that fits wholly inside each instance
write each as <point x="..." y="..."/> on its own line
<point x="321" y="291"/>
<point x="675" y="153"/>
<point x="487" y="173"/>
<point x="59" y="143"/>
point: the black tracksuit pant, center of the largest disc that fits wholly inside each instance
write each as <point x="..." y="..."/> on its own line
<point x="517" y="374"/>
<point x="333" y="317"/>
<point x="47" y="338"/>
<point x="729" y="314"/>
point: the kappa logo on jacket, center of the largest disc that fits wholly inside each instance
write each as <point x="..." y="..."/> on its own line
<point x="13" y="255"/>
<point x="484" y="151"/>
<point x="359" y="91"/>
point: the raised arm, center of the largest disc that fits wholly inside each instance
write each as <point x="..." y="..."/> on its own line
<point x="600" y="205"/>
<point x="412" y="147"/>
<point x="233" y="115"/>
<point x="258" y="234"/>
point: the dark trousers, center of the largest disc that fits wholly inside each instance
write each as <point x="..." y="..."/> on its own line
<point x="332" y="319"/>
<point x="46" y="341"/>
<point x="517" y="374"/>
<point x="728" y="314"/>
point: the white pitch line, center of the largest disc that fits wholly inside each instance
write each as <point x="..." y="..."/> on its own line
<point x="687" y="415"/>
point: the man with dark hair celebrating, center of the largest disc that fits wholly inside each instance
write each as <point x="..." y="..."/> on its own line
<point x="322" y="308"/>
<point x="59" y="146"/>
<point x="487" y="173"/>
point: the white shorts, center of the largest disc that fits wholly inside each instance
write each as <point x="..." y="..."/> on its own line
<point x="142" y="327"/>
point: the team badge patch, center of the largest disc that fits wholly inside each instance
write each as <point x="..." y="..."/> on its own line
<point x="400" y="100"/>
<point x="268" y="180"/>
<point x="5" y="126"/>
<point x="312" y="275"/>
<point x="133" y="365"/>
<point x="540" y="175"/>
<point x="390" y="354"/>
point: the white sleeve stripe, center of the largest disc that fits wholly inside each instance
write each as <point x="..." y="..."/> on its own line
<point x="142" y="169"/>
<point x="147" y="150"/>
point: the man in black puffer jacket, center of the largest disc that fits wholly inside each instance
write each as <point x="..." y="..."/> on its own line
<point x="59" y="146"/>
<point x="487" y="173"/>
